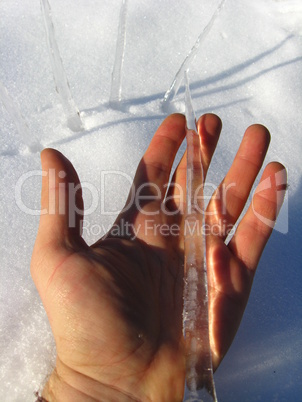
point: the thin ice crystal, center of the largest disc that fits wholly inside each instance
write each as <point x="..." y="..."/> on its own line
<point x="15" y="114"/>
<point x="172" y="91"/>
<point x="116" y="79"/>
<point x="199" y="372"/>
<point x="74" y="121"/>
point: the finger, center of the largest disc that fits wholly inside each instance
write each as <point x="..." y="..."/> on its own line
<point x="229" y="199"/>
<point x="209" y="128"/>
<point x="61" y="200"/>
<point x="154" y="169"/>
<point x="257" y="224"/>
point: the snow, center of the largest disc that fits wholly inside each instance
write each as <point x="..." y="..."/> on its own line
<point x="247" y="70"/>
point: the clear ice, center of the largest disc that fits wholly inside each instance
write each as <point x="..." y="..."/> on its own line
<point x="172" y="91"/>
<point x="14" y="112"/>
<point x="199" y="371"/>
<point x="116" y="78"/>
<point x="74" y="121"/>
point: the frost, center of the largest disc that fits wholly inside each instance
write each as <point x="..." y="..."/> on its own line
<point x="199" y="372"/>
<point x="74" y="121"/>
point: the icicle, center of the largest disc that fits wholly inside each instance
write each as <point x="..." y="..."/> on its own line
<point x="116" y="80"/>
<point x="62" y="86"/>
<point x="199" y="371"/>
<point x="14" y="112"/>
<point x="172" y="91"/>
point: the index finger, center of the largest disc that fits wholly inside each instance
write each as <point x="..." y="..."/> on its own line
<point x="156" y="164"/>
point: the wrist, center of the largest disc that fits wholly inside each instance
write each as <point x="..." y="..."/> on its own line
<point x="57" y="389"/>
<point x="68" y="385"/>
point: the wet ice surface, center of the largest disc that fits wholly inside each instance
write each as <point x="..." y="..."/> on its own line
<point x="247" y="70"/>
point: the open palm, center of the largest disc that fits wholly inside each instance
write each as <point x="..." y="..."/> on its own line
<point x="115" y="308"/>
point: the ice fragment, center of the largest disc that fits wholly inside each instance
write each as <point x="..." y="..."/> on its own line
<point x="199" y="372"/>
<point x="116" y="79"/>
<point x="74" y="121"/>
<point x="172" y="91"/>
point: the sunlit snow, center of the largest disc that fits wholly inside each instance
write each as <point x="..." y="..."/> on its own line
<point x="247" y="70"/>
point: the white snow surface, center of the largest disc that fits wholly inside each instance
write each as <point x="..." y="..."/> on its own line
<point x="248" y="70"/>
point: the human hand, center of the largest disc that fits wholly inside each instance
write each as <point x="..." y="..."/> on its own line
<point x="115" y="308"/>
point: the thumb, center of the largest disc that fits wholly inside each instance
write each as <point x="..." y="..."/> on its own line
<point x="61" y="214"/>
<point x="61" y="200"/>
<point x="59" y="234"/>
